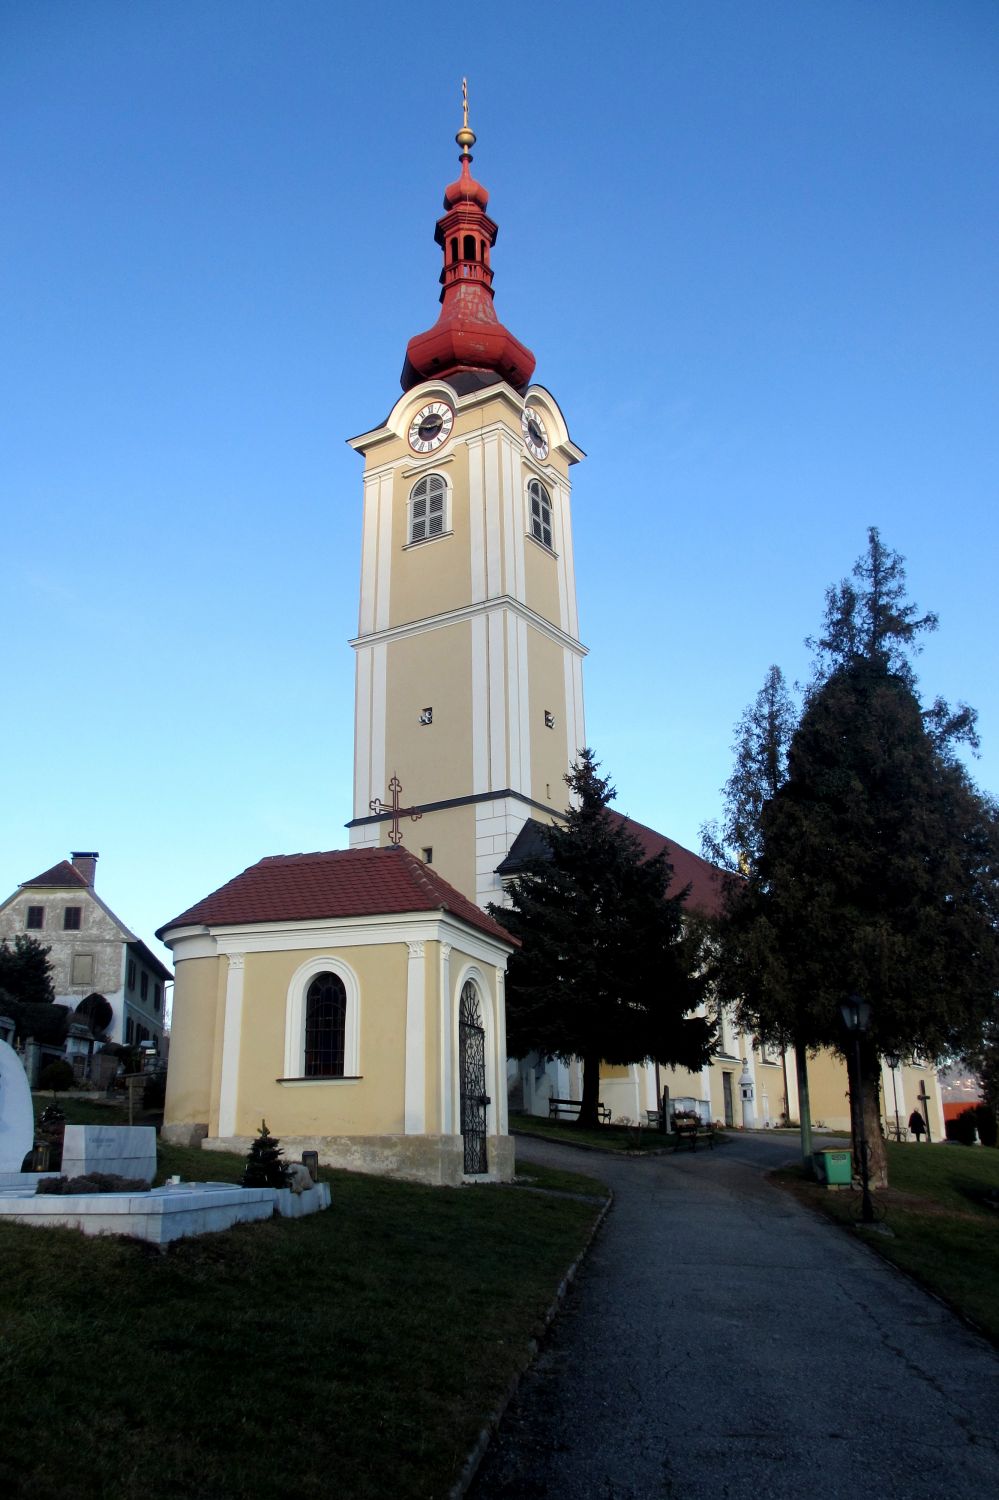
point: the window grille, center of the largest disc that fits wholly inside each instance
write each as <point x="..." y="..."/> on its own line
<point x="325" y="1027"/>
<point x="541" y="512"/>
<point x="71" y="919"/>
<point x="36" y="917"/>
<point x="427" y="508"/>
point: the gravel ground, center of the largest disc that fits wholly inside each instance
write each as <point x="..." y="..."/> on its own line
<point x="722" y="1341"/>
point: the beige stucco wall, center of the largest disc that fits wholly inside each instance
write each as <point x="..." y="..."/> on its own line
<point x="198" y="988"/>
<point x="431" y="670"/>
<point x="370" y="1105"/>
<point x="540" y="565"/>
<point x="550" y="751"/>
<point x="434" y="575"/>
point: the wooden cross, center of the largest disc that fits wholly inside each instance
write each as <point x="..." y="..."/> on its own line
<point x="378" y="806"/>
<point x="924" y="1100"/>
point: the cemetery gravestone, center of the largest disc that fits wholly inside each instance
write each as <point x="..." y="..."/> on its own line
<point x="117" y="1150"/>
<point x="17" y="1120"/>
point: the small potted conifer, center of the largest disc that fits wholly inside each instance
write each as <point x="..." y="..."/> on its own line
<point x="264" y="1167"/>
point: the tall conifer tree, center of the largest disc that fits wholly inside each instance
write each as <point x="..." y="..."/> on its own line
<point x="879" y="868"/>
<point x="606" y="971"/>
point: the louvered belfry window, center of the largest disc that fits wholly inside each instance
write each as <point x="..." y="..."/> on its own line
<point x="427" y="508"/>
<point x="325" y="1027"/>
<point x="541" y="512"/>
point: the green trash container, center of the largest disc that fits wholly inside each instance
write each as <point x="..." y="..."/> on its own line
<point x="838" y="1168"/>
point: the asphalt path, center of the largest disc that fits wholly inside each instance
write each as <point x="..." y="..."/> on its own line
<point x="723" y="1341"/>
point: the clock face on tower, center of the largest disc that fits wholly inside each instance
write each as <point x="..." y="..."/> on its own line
<point x="431" y="427"/>
<point x="535" y="435"/>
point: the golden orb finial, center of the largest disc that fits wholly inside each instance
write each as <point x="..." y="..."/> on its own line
<point x="465" y="136"/>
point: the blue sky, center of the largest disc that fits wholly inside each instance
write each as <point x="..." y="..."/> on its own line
<point x="753" y="247"/>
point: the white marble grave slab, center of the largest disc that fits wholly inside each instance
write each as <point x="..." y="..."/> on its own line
<point x="17" y="1119"/>
<point x="162" y="1215"/>
<point x="122" y="1150"/>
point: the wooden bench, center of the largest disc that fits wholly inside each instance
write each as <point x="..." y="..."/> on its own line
<point x="571" y="1107"/>
<point x="692" y="1131"/>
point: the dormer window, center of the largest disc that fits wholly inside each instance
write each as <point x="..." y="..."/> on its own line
<point x="427" y="508"/>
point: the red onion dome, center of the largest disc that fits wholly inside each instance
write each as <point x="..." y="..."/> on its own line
<point x="467" y="335"/>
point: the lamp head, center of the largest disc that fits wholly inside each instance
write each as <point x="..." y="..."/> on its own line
<point x="856" y="1014"/>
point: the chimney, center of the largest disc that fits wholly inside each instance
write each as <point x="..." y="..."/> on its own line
<point x="86" y="864"/>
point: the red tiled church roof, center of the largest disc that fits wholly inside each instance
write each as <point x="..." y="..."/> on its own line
<point x="61" y="874"/>
<point x="338" y="883"/>
<point x="706" y="881"/>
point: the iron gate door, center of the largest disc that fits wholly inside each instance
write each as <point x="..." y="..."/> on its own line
<point x="472" y="1055"/>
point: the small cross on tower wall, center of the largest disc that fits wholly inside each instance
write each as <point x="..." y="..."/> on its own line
<point x="378" y="806"/>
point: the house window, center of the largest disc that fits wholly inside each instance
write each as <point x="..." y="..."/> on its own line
<point x="144" y="987"/>
<point x="541" y="512"/>
<point x="427" y="508"/>
<point x="131" y="974"/>
<point x="71" y="919"/>
<point x="157" y="997"/>
<point x="129" y="1031"/>
<point x="325" y="1027"/>
<point x="35" y="917"/>
<point x="82" y="969"/>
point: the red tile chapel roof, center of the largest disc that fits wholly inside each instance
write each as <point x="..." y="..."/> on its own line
<point x="338" y="883"/>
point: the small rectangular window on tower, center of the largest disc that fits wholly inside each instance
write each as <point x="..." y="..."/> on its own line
<point x="428" y="854"/>
<point x="427" y="716"/>
<point x="549" y="720"/>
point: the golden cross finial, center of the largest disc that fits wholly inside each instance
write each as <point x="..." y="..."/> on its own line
<point x="465" y="136"/>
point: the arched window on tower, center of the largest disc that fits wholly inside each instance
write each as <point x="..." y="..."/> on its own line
<point x="325" y="1027"/>
<point x="427" y="508"/>
<point x="541" y="512"/>
<point x="469" y="250"/>
<point x="454" y="249"/>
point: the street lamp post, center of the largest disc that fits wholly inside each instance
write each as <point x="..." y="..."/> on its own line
<point x="893" y="1059"/>
<point x="856" y="1015"/>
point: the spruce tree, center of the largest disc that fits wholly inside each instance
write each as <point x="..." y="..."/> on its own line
<point x="264" y="1167"/>
<point x="607" y="971"/>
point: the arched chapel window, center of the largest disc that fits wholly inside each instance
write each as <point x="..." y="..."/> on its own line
<point x="325" y="1027"/>
<point x="469" y="247"/>
<point x="427" y="507"/>
<point x="541" y="512"/>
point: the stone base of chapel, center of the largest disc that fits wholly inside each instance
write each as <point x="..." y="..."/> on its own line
<point x="437" y="1160"/>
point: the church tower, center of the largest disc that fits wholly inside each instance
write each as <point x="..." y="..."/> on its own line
<point x="469" y="663"/>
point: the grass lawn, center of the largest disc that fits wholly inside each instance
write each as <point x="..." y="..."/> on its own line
<point x="943" y="1233"/>
<point x="95" y="1110"/>
<point x="604" y="1137"/>
<point x="354" y="1353"/>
